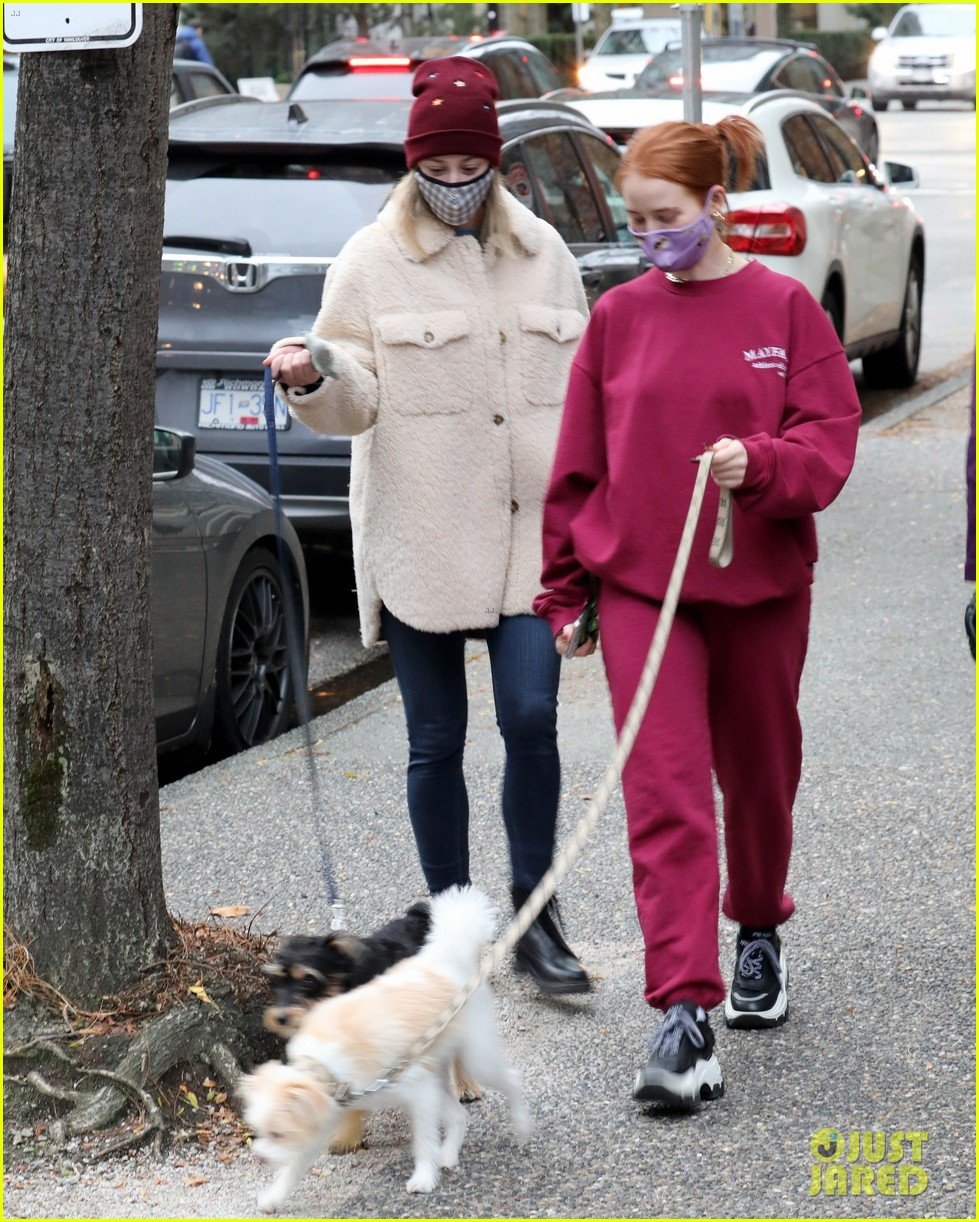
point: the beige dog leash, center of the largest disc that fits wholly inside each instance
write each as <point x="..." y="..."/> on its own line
<point x="721" y="553"/>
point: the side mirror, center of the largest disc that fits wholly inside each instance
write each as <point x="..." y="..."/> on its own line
<point x="900" y="175"/>
<point x="879" y="33"/>
<point x="858" y="91"/>
<point x="173" y="454"/>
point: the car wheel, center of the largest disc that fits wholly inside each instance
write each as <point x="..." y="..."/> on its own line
<point x="253" y="685"/>
<point x="909" y="103"/>
<point x="897" y="366"/>
<point x="833" y="311"/>
<point x="879" y="104"/>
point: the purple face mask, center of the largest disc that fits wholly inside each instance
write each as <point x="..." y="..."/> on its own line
<point x="674" y="250"/>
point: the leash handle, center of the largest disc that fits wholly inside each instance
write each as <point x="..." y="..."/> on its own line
<point x="295" y="640"/>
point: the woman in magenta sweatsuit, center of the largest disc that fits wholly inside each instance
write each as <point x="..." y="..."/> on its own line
<point x="707" y="348"/>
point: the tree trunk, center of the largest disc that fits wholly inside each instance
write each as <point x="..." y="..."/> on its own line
<point x="82" y="853"/>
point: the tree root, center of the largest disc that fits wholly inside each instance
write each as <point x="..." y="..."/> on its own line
<point x="172" y="1039"/>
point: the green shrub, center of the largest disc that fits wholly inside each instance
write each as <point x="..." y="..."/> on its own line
<point x="560" y="50"/>
<point x="847" y="50"/>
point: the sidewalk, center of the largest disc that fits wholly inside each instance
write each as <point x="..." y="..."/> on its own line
<point x="880" y="1035"/>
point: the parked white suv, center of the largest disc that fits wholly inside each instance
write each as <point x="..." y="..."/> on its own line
<point x="624" y="50"/>
<point x="929" y="51"/>
<point x="817" y="211"/>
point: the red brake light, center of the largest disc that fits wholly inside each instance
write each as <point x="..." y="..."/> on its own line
<point x="772" y="229"/>
<point x="392" y="62"/>
<point x="675" y="81"/>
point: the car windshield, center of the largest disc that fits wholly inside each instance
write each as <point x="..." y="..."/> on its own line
<point x="639" y="40"/>
<point x="936" y="21"/>
<point x="737" y="68"/>
<point x="315" y="85"/>
<point x="276" y="203"/>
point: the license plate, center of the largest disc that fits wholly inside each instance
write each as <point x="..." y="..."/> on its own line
<point x="922" y="76"/>
<point x="236" y="403"/>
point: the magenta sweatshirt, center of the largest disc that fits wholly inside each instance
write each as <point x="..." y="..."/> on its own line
<point x="663" y="370"/>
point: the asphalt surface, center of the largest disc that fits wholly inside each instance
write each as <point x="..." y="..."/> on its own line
<point x="880" y="1034"/>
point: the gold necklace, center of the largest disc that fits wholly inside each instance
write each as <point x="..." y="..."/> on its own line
<point x="726" y="272"/>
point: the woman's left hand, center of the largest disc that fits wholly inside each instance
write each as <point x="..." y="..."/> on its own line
<point x="729" y="464"/>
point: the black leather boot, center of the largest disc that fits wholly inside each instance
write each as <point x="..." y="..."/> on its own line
<point x="543" y="952"/>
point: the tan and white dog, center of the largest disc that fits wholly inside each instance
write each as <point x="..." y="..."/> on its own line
<point x="356" y="1037"/>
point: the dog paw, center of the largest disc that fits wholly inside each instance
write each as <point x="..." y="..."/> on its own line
<point x="346" y="1145"/>
<point x="424" y="1180"/>
<point x="522" y="1128"/>
<point x="270" y="1200"/>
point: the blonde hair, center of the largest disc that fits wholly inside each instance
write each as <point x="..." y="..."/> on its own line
<point x="410" y="207"/>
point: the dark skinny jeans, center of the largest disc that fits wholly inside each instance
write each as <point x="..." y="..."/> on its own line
<point x="431" y="672"/>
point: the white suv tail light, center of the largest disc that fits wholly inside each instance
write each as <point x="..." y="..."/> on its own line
<point x="772" y="229"/>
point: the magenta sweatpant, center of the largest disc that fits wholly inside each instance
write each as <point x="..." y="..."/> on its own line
<point x="726" y="697"/>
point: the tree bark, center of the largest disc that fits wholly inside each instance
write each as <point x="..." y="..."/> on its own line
<point x="81" y="814"/>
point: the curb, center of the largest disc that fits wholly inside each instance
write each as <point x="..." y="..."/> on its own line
<point x="893" y="416"/>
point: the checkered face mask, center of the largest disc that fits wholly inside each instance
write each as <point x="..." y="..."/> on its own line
<point x="454" y="203"/>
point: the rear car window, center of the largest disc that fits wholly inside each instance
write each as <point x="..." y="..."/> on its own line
<point x="276" y="203"/>
<point x="317" y="85"/>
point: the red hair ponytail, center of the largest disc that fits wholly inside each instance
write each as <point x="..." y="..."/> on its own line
<point x="698" y="156"/>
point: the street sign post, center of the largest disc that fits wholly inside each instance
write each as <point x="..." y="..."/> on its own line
<point x="70" y="27"/>
<point x="691" y="17"/>
<point x="580" y="13"/>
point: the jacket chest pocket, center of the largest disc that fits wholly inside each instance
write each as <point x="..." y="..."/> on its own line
<point x="548" y="340"/>
<point x="427" y="362"/>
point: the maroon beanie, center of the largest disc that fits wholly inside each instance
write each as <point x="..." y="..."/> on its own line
<point x="454" y="111"/>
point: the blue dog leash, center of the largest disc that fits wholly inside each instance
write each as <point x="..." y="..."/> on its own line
<point x="294" y="639"/>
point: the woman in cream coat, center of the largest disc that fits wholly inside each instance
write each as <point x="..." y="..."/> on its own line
<point x="450" y="325"/>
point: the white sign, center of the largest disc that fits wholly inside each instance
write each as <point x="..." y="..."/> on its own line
<point x="70" y="27"/>
<point x="580" y="13"/>
<point x="261" y="87"/>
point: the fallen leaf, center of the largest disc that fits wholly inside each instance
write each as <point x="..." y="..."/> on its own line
<point x="352" y="775"/>
<point x="221" y="1096"/>
<point x="201" y="993"/>
<point x="192" y="1100"/>
<point x="231" y="910"/>
<point x="209" y="1082"/>
<point x="195" y="1181"/>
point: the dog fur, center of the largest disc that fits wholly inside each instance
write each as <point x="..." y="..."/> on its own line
<point x="356" y="1036"/>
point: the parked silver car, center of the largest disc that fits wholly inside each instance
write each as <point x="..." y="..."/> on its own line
<point x="220" y="658"/>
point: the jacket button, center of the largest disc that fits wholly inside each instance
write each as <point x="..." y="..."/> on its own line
<point x="428" y="337"/>
<point x="502" y="337"/>
<point x="497" y="419"/>
<point x="514" y="506"/>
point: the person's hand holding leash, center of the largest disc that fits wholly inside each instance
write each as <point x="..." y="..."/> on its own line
<point x="291" y="362"/>
<point x="730" y="463"/>
<point x="563" y="640"/>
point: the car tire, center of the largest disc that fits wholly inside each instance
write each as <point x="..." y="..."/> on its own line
<point x="897" y="366"/>
<point x="833" y="310"/>
<point x="909" y="103"/>
<point x="253" y="686"/>
<point x="879" y="104"/>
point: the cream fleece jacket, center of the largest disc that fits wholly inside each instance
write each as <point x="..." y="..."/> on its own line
<point x="452" y="364"/>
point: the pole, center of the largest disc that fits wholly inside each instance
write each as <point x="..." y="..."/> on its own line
<point x="579" y="41"/>
<point x="690" y="23"/>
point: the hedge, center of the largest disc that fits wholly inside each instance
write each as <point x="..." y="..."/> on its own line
<point x="560" y="49"/>
<point x="847" y="50"/>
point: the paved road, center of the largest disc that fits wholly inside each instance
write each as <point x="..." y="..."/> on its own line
<point x="940" y="142"/>
<point x="881" y="1029"/>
